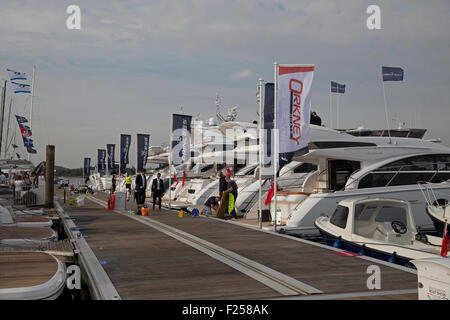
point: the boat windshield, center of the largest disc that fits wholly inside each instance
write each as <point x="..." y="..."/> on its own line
<point x="339" y="217"/>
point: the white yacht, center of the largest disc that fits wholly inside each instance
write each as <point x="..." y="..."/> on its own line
<point x="349" y="166"/>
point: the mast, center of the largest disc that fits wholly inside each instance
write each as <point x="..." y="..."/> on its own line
<point x="3" y="114"/>
<point x="7" y="129"/>
<point x="31" y="105"/>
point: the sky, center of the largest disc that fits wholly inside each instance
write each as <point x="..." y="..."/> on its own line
<point x="135" y="62"/>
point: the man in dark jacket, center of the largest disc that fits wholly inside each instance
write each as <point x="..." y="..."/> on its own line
<point x="157" y="190"/>
<point x="315" y="119"/>
<point x="232" y="190"/>
<point x="140" y="185"/>
<point x="222" y="184"/>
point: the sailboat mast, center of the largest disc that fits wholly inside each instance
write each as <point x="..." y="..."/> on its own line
<point x="3" y="114"/>
<point x="31" y="105"/>
<point x="7" y="127"/>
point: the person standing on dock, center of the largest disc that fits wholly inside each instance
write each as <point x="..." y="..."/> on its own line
<point x="157" y="190"/>
<point x="113" y="184"/>
<point x="141" y="185"/>
<point x="128" y="186"/>
<point x="232" y="190"/>
<point x="222" y="184"/>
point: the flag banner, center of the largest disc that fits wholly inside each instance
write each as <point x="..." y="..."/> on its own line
<point x="392" y="74"/>
<point x="21" y="88"/>
<point x="101" y="159"/>
<point x="21" y="120"/>
<point x="294" y="105"/>
<point x="31" y="150"/>
<point x="268" y="127"/>
<point x="445" y="241"/>
<point x="15" y="75"/>
<point x="25" y="131"/>
<point x="181" y="138"/>
<point x="125" y="141"/>
<point x="27" y="142"/>
<point x="337" y="87"/>
<point x="143" y="143"/>
<point x="87" y="166"/>
<point x="111" y="148"/>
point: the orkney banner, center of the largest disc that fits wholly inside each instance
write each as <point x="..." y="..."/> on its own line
<point x="125" y="141"/>
<point x="87" y="166"/>
<point x="143" y="143"/>
<point x="294" y="105"/>
<point x="181" y="138"/>
<point x="111" y="148"/>
<point x="101" y="159"/>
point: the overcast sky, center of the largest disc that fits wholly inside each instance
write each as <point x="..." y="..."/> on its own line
<point x="135" y="62"/>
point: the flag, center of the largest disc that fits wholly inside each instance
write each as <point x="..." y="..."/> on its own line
<point x="111" y="148"/>
<point x="294" y="105"/>
<point x="27" y="142"/>
<point x="445" y="241"/>
<point x="392" y="74"/>
<point x="175" y="178"/>
<point x="20" y="87"/>
<point x="31" y="150"/>
<point x="143" y="143"/>
<point x="87" y="166"/>
<point x="101" y="157"/>
<point x="25" y="131"/>
<point x="337" y="88"/>
<point x="125" y="141"/>
<point x="15" y="75"/>
<point x="271" y="193"/>
<point x="21" y="120"/>
<point x="181" y="138"/>
<point x="184" y="177"/>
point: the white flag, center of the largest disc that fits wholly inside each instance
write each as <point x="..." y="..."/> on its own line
<point x="294" y="105"/>
<point x="15" y="75"/>
<point x="21" y="88"/>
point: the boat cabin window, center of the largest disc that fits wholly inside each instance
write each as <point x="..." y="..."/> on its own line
<point x="339" y="217"/>
<point x="433" y="168"/>
<point x="389" y="214"/>
<point x="339" y="171"/>
<point x="305" y="168"/>
<point x="339" y="144"/>
<point x="208" y="167"/>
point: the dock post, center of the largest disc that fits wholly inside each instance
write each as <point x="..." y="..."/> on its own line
<point x="49" y="176"/>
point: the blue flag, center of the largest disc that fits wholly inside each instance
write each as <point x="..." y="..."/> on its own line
<point x="101" y="159"/>
<point x="125" y="141"/>
<point x="143" y="143"/>
<point x="21" y="119"/>
<point x="87" y="166"/>
<point x="111" y="150"/>
<point x="392" y="74"/>
<point x="21" y="87"/>
<point x="337" y="88"/>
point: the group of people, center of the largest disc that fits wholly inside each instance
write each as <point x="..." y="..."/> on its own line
<point x="226" y="186"/>
<point x="21" y="181"/>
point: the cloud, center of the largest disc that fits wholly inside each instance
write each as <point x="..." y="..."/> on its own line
<point x="244" y="74"/>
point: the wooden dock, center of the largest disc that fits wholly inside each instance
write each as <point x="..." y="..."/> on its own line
<point x="165" y="257"/>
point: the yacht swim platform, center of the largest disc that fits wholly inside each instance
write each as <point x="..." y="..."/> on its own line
<point x="162" y="256"/>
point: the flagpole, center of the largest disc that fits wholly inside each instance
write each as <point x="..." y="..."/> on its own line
<point x="260" y="86"/>
<point x="7" y="129"/>
<point x="331" y="112"/>
<point x="3" y="113"/>
<point x="386" y="111"/>
<point x="275" y="155"/>
<point x="31" y="104"/>
<point x="337" y="109"/>
<point x="170" y="162"/>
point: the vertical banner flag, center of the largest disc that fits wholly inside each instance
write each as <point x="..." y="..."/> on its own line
<point x="125" y="141"/>
<point x="25" y="132"/>
<point x="20" y="87"/>
<point x="87" y="166"/>
<point x="143" y="143"/>
<point x="111" y="151"/>
<point x="392" y="74"/>
<point x="15" y="75"/>
<point x="268" y="122"/>
<point x="101" y="159"/>
<point x="181" y="138"/>
<point x="294" y="105"/>
<point x="337" y="88"/>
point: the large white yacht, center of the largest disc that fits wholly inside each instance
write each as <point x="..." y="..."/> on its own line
<point x="349" y="166"/>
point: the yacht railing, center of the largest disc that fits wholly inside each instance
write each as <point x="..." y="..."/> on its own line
<point x="430" y="194"/>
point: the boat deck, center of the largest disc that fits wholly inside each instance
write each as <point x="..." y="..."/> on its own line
<point x="163" y="256"/>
